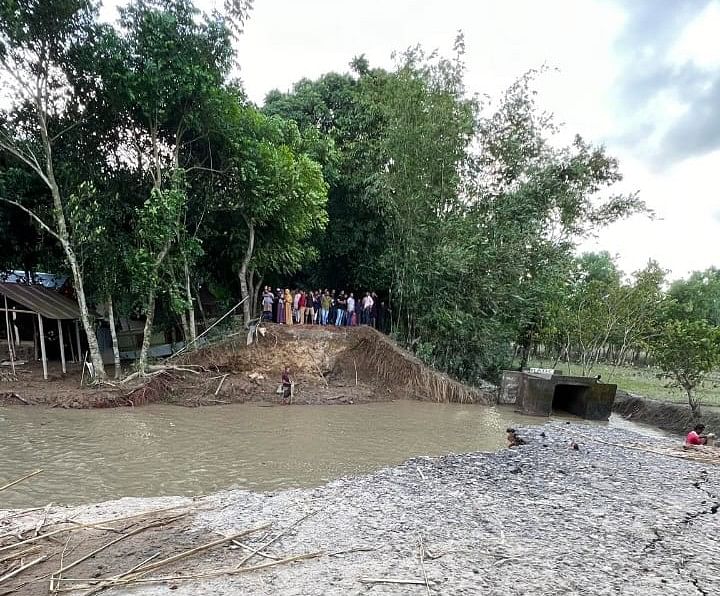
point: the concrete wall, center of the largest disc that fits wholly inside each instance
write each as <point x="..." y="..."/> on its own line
<point x="509" y="387"/>
<point x="580" y="396"/>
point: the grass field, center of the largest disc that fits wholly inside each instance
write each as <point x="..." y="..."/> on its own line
<point x="640" y="381"/>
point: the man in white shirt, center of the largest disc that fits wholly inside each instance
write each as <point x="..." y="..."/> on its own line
<point x="367" y="308"/>
<point x="350" y="308"/>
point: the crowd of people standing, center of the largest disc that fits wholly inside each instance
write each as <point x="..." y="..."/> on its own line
<point x="324" y="307"/>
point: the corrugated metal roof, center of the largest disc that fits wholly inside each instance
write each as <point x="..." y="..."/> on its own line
<point x="48" y="303"/>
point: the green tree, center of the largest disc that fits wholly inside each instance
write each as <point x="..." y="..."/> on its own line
<point x="174" y="60"/>
<point x="697" y="298"/>
<point x="268" y="200"/>
<point x="686" y="351"/>
<point x="345" y="110"/>
<point x="37" y="40"/>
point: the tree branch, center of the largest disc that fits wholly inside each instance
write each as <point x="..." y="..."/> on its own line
<point x="32" y="163"/>
<point x="37" y="219"/>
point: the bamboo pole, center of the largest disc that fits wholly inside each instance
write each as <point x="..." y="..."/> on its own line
<point x="77" y="339"/>
<point x="23" y="568"/>
<point x="42" y="346"/>
<point x="148" y="568"/>
<point x="14" y="482"/>
<point x="97" y="525"/>
<point x="62" y="346"/>
<point x="9" y="340"/>
<point x="153" y="524"/>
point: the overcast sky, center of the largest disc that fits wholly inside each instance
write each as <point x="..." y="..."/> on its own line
<point x="640" y="76"/>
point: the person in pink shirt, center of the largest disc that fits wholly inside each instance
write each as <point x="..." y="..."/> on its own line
<point x="696" y="436"/>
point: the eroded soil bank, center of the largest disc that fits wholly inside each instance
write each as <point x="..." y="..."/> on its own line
<point x="674" y="417"/>
<point x="620" y="513"/>
<point x="329" y="366"/>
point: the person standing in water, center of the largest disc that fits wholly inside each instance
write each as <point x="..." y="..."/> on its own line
<point x="286" y="386"/>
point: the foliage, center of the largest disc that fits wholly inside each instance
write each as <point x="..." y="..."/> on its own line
<point x="697" y="298"/>
<point x="686" y="351"/>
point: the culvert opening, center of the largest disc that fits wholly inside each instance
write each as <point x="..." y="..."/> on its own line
<point x="570" y="398"/>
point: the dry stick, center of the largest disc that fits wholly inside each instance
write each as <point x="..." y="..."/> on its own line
<point x="28" y="551"/>
<point x="261" y="553"/>
<point x="220" y="384"/>
<point x="356" y="374"/>
<point x="144" y="570"/>
<point x="44" y="519"/>
<point x="273" y="540"/>
<point x="317" y="367"/>
<point x="88" y="525"/>
<point x="14" y="482"/>
<point x="422" y="564"/>
<point x="16" y="396"/>
<point x="359" y="549"/>
<point x="23" y="568"/>
<point x="59" y="577"/>
<point x="122" y="575"/>
<point x="390" y="580"/>
<point x="207" y="574"/>
<point x="161" y="522"/>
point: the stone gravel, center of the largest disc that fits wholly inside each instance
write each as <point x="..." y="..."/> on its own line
<point x="543" y="518"/>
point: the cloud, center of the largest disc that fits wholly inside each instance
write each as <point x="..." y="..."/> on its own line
<point x="669" y="86"/>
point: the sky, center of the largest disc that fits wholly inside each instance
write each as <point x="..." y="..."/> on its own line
<point x="641" y="77"/>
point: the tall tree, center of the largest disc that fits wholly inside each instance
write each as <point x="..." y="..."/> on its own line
<point x="36" y="39"/>
<point x="267" y="201"/>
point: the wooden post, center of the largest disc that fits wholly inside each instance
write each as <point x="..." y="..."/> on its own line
<point x="42" y="346"/>
<point x="9" y="339"/>
<point x="62" y="346"/>
<point x="79" y="344"/>
<point x="35" y="339"/>
<point x="72" y="351"/>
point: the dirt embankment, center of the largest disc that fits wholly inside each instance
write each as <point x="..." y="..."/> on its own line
<point x="669" y="416"/>
<point x="620" y="510"/>
<point x="329" y="365"/>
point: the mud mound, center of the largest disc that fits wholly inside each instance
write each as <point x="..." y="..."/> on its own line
<point x="328" y="357"/>
<point x="666" y="415"/>
<point x="376" y="356"/>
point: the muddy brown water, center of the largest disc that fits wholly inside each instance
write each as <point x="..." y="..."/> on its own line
<point x="97" y="455"/>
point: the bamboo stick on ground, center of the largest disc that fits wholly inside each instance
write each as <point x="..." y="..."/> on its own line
<point x="154" y="524"/>
<point x="28" y="551"/>
<point x="122" y="575"/>
<point x="421" y="546"/>
<point x="194" y="576"/>
<point x="19" y="480"/>
<point x="19" y="570"/>
<point x="391" y="580"/>
<point x="265" y="555"/>
<point x="272" y="541"/>
<point x="85" y="526"/>
<point x="144" y="570"/>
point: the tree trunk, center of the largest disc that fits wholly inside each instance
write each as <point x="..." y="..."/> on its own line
<point x="256" y="296"/>
<point x="244" y="291"/>
<point x="87" y="322"/>
<point x="694" y="403"/>
<point x="527" y="340"/>
<point x="113" y="334"/>
<point x="185" y="327"/>
<point x="191" y="307"/>
<point x="147" y="332"/>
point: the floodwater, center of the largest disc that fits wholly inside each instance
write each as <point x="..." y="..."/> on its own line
<point x="97" y="455"/>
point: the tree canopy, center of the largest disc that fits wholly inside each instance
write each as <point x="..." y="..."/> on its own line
<point x="131" y="160"/>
